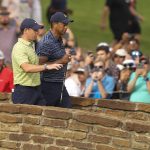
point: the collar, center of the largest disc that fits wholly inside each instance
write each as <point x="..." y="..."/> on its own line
<point x="25" y="42"/>
<point x="55" y="38"/>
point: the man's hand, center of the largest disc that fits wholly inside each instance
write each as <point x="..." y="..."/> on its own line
<point x="66" y="58"/>
<point x="100" y="75"/>
<point x="138" y="72"/>
<point x="54" y="66"/>
<point x="124" y="75"/>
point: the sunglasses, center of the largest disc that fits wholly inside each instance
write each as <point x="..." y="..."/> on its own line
<point x="129" y="65"/>
<point x="99" y="67"/>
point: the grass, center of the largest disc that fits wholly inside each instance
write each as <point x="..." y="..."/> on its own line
<point x="86" y="14"/>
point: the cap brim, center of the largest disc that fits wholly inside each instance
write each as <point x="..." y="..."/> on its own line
<point x="67" y="21"/>
<point x="37" y="27"/>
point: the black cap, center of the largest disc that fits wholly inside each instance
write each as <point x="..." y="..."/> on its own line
<point x="60" y="17"/>
<point x="29" y="23"/>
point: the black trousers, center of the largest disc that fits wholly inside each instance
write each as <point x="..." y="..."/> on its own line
<point x="52" y="92"/>
<point x="28" y="95"/>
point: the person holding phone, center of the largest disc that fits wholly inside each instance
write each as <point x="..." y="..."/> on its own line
<point x="100" y="84"/>
<point x="139" y="83"/>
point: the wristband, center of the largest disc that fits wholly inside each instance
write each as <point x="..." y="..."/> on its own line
<point x="45" y="66"/>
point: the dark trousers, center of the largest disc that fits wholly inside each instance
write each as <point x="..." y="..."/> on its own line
<point x="52" y="92"/>
<point x="28" y="95"/>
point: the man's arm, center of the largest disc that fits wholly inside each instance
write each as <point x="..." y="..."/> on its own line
<point x="30" y="68"/>
<point x="104" y="17"/>
<point x="64" y="60"/>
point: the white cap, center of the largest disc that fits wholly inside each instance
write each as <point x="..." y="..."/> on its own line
<point x="121" y="52"/>
<point x="102" y="44"/>
<point x="105" y="44"/>
<point x="1" y="55"/>
<point x="129" y="61"/>
<point x="80" y="70"/>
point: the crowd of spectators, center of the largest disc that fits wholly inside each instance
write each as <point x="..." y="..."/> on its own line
<point x="118" y="71"/>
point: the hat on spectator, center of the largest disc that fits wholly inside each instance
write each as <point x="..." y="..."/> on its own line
<point x="1" y="55"/>
<point x="129" y="63"/>
<point x="103" y="46"/>
<point x="29" y="23"/>
<point x="121" y="52"/>
<point x="60" y="17"/>
<point x="80" y="70"/>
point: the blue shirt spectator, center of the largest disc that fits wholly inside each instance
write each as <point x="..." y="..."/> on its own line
<point x="108" y="82"/>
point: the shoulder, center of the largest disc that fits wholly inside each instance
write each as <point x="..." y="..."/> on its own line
<point x="7" y="70"/>
<point x="18" y="47"/>
<point x="109" y="77"/>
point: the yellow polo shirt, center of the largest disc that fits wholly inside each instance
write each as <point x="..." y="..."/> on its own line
<point x="24" y="52"/>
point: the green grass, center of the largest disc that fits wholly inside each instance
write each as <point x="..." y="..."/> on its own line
<point x="86" y="18"/>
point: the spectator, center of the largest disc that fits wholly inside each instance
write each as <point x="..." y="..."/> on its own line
<point x="100" y="84"/>
<point x="133" y="44"/>
<point x="119" y="56"/>
<point x="89" y="61"/>
<point x="19" y="9"/>
<point x="57" y="6"/>
<point x="139" y="83"/>
<point x="72" y="82"/>
<point x="121" y="87"/>
<point x="82" y="76"/>
<point x="136" y="55"/>
<point x="119" y="17"/>
<point x="51" y="49"/>
<point x="8" y="32"/>
<point x="134" y="26"/>
<point x="36" y="10"/>
<point x="6" y="76"/>
<point x="26" y="66"/>
<point x="103" y="53"/>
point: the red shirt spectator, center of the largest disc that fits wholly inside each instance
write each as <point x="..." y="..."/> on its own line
<point x="6" y="76"/>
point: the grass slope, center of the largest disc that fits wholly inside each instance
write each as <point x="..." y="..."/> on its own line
<point x="87" y="19"/>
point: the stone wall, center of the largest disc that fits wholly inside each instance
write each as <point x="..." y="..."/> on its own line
<point x="95" y="125"/>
